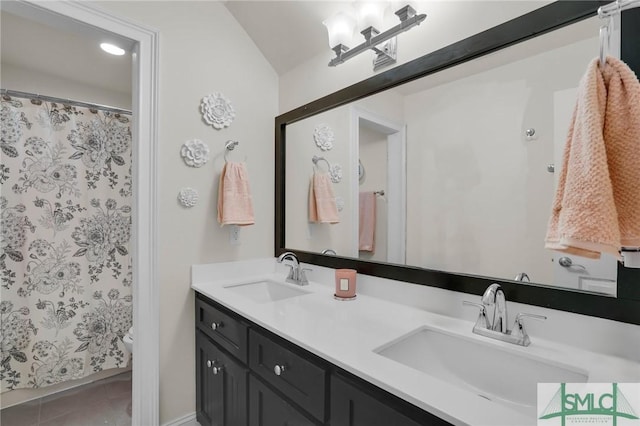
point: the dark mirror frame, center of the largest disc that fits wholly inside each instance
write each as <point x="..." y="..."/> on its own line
<point x="625" y="307"/>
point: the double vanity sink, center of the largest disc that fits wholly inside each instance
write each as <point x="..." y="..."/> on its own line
<point x="432" y="361"/>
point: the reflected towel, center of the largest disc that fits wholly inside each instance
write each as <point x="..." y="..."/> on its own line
<point x="597" y="204"/>
<point x="322" y="202"/>
<point x="234" y="196"/>
<point x="367" y="221"/>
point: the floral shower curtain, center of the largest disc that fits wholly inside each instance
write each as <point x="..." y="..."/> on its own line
<point x="65" y="205"/>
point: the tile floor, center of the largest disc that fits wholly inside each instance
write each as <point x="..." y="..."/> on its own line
<point x="105" y="402"/>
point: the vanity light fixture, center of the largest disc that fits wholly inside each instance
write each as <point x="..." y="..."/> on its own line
<point x="112" y="49"/>
<point x="341" y="28"/>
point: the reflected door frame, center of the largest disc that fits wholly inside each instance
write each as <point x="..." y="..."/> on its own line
<point x="81" y="17"/>
<point x="396" y="191"/>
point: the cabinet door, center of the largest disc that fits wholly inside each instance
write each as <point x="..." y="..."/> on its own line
<point x="266" y="408"/>
<point x="352" y="405"/>
<point x="221" y="386"/>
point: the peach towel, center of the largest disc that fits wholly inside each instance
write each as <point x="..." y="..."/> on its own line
<point x="322" y="202"/>
<point x="367" y="221"/>
<point x="234" y="196"/>
<point x="597" y="203"/>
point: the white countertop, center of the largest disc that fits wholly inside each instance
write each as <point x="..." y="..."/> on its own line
<point x="346" y="333"/>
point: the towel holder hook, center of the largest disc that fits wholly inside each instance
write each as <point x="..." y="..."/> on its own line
<point x="605" y="37"/>
<point x="229" y="146"/>
<point x="315" y="160"/>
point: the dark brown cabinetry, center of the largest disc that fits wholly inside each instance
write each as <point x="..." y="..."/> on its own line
<point x="268" y="408"/>
<point x="221" y="386"/>
<point x="356" y="404"/>
<point x="247" y="376"/>
<point x="291" y="373"/>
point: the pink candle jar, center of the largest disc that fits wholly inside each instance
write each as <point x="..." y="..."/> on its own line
<point x="345" y="284"/>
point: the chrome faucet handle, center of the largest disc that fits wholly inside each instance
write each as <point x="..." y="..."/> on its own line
<point x="482" y="320"/>
<point x="518" y="330"/>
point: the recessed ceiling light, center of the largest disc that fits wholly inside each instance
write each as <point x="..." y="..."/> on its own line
<point x="113" y="49"/>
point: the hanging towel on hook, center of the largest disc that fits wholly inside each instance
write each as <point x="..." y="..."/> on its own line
<point x="367" y="222"/>
<point x="597" y="203"/>
<point x="234" y="196"/>
<point x="322" y="202"/>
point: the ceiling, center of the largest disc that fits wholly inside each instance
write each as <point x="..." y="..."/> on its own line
<point x="48" y="49"/>
<point x="287" y="33"/>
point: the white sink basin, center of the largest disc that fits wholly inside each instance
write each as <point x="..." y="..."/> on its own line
<point x="503" y="375"/>
<point x="265" y="291"/>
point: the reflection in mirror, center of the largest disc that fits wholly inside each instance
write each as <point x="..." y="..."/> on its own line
<point x="468" y="160"/>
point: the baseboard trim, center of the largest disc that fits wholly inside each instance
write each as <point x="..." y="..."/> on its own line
<point x="186" y="420"/>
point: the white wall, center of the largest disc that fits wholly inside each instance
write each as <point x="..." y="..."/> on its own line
<point x="446" y="23"/>
<point x="33" y="81"/>
<point x="203" y="50"/>
<point x="468" y="153"/>
<point x="301" y="148"/>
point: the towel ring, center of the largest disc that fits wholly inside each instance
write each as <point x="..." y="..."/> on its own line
<point x="229" y="146"/>
<point x="315" y="160"/>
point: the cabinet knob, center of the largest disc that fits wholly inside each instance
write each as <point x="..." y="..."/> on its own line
<point x="216" y="325"/>
<point x="217" y="369"/>
<point x="278" y="370"/>
<point x="208" y="363"/>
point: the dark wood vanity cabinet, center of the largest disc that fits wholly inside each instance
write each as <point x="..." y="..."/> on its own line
<point x="267" y="408"/>
<point x="221" y="386"/>
<point x="247" y="376"/>
<point x="354" y="403"/>
<point x="276" y="385"/>
<point x="290" y="372"/>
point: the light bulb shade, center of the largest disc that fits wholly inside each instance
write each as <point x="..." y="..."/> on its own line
<point x="370" y="14"/>
<point x="340" y="28"/>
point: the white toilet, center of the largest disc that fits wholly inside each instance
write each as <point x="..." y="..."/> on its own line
<point x="128" y="340"/>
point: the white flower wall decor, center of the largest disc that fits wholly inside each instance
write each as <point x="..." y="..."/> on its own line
<point x="195" y="153"/>
<point x="335" y="171"/>
<point x="188" y="197"/>
<point x="324" y="137"/>
<point x="217" y="110"/>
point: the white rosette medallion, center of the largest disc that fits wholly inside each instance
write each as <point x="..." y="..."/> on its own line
<point x="335" y="172"/>
<point x="195" y="153"/>
<point x="188" y="197"/>
<point x="324" y="137"/>
<point x="217" y="110"/>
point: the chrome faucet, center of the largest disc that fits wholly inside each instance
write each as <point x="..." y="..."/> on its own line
<point x="494" y="295"/>
<point x="297" y="274"/>
<point x="497" y="328"/>
<point x="522" y="276"/>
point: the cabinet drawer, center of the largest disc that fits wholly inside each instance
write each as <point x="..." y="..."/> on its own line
<point x="226" y="330"/>
<point x="268" y="408"/>
<point x="301" y="380"/>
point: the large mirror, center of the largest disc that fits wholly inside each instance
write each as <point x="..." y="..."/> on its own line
<point x="453" y="172"/>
